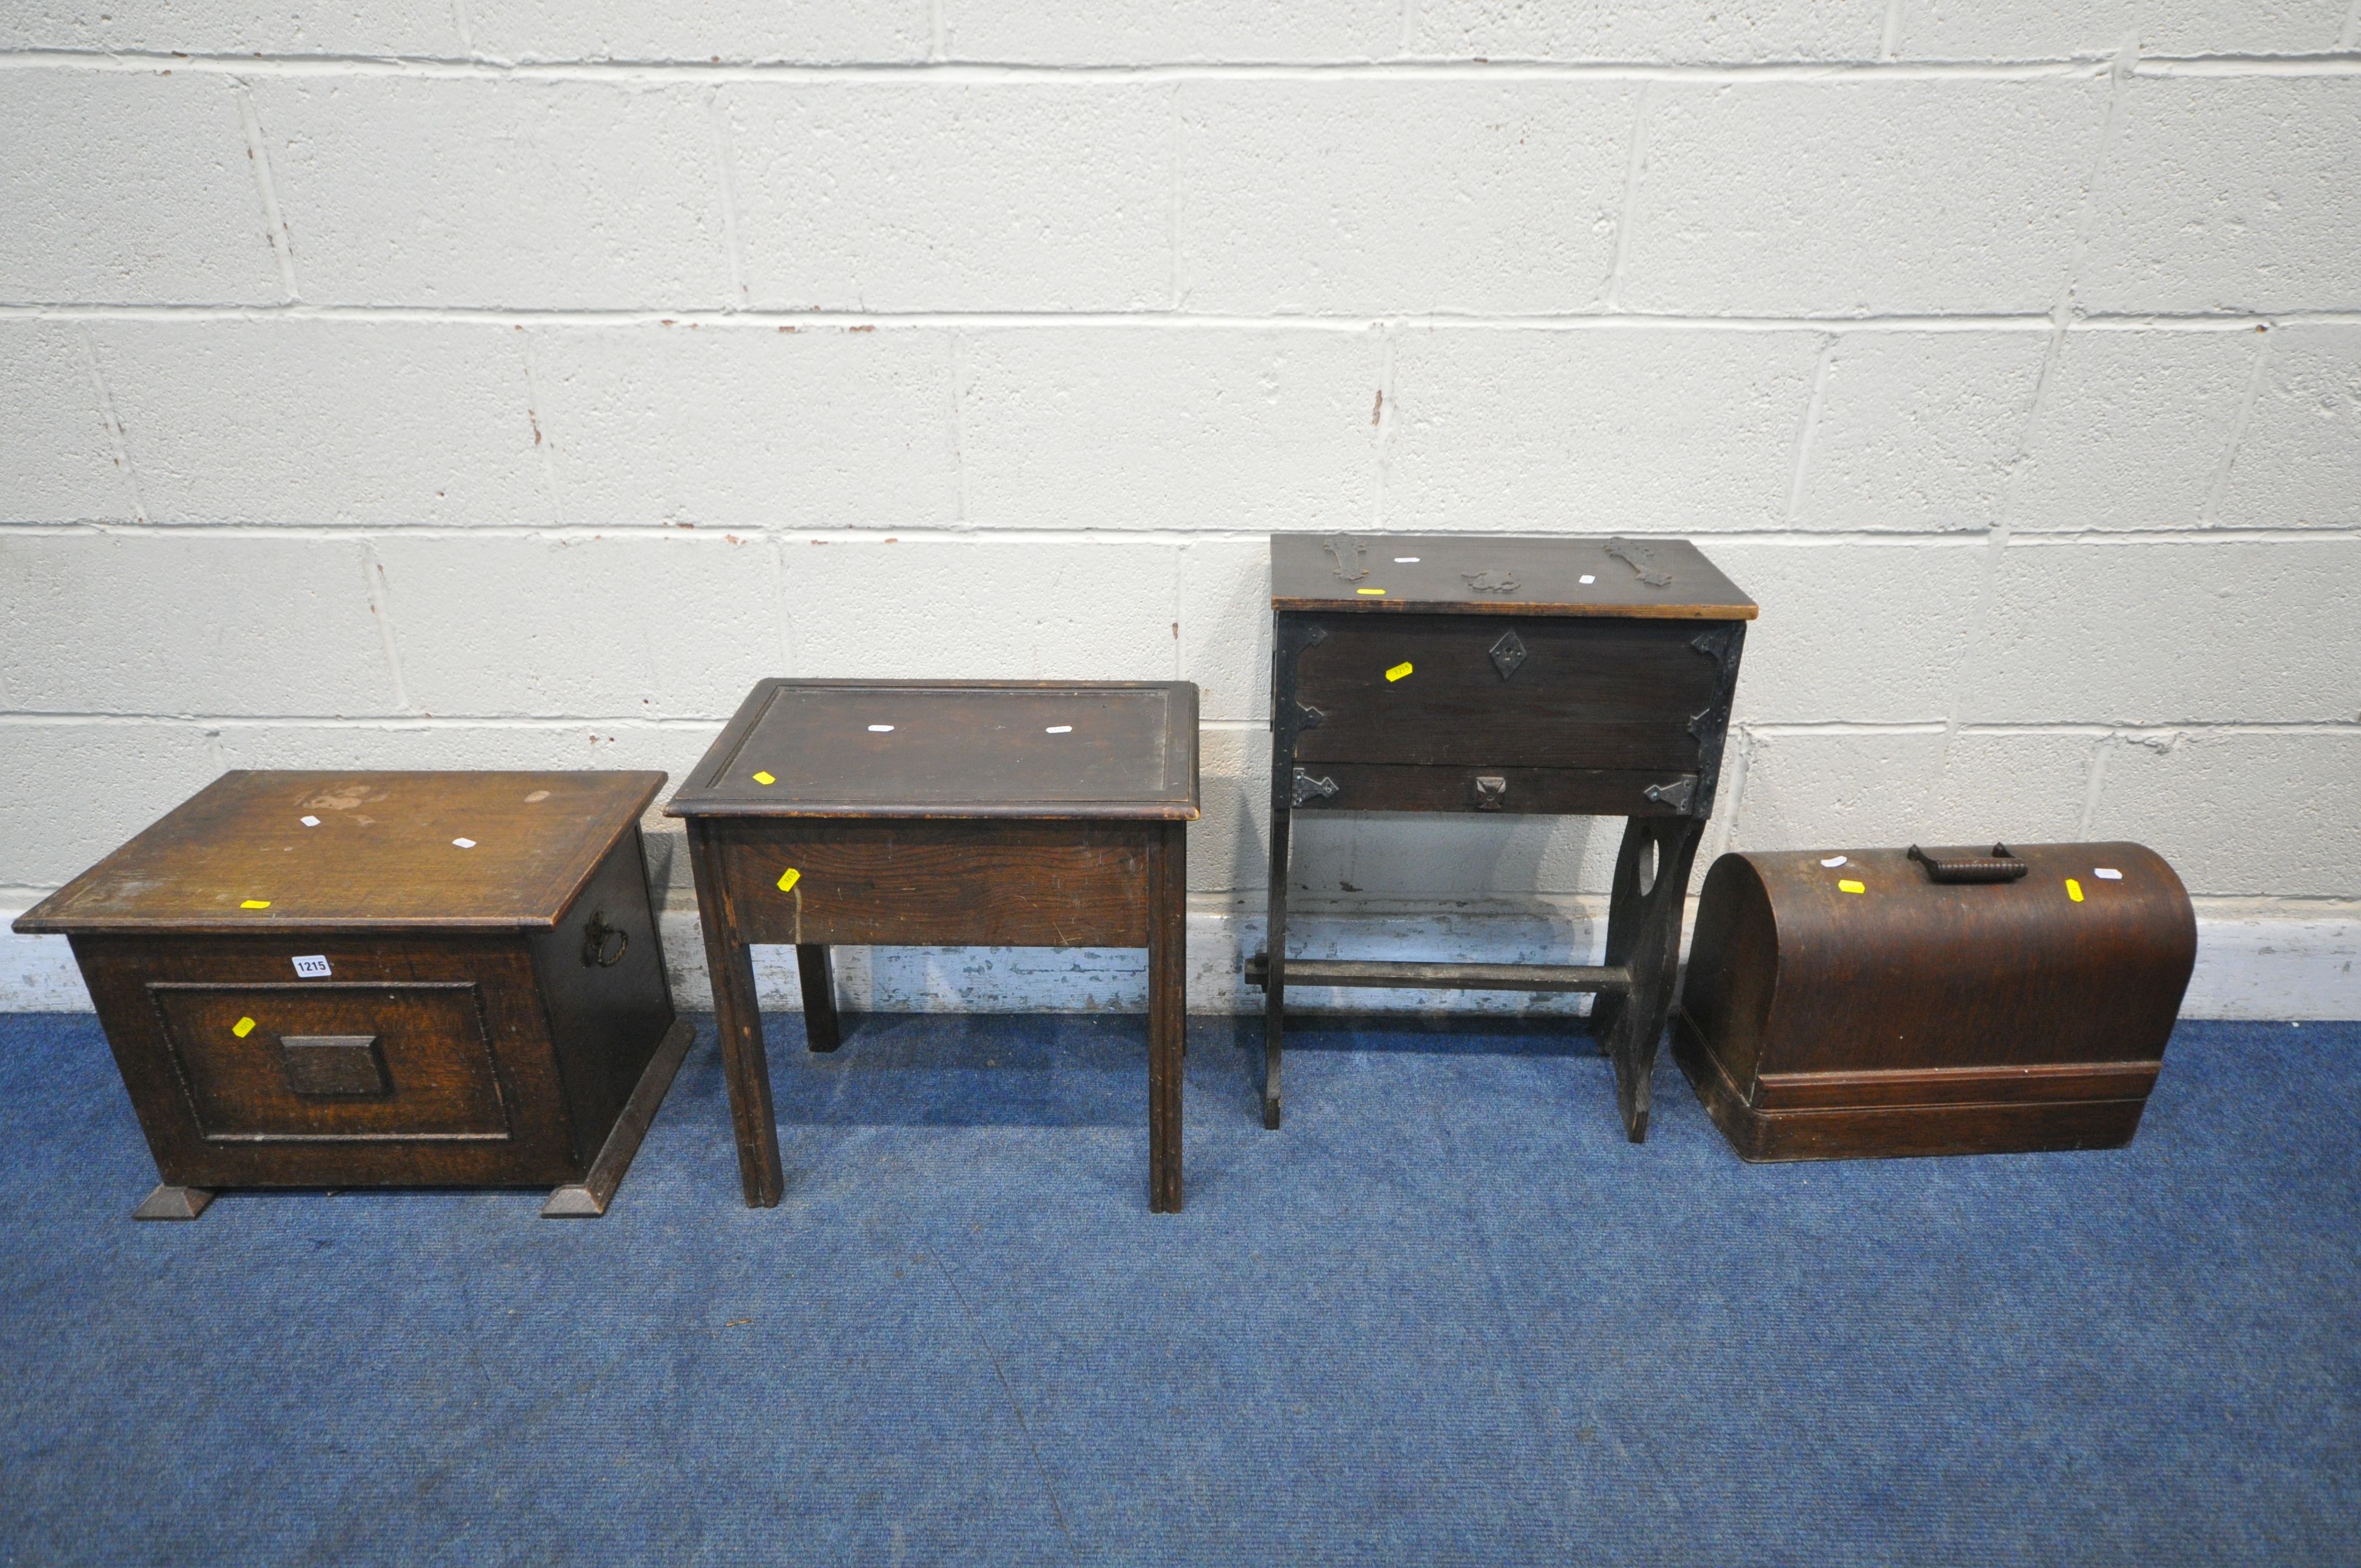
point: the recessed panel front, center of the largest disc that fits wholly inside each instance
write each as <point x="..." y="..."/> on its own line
<point x="330" y="1062"/>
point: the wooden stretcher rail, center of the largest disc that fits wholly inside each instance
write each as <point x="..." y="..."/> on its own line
<point x="1460" y="976"/>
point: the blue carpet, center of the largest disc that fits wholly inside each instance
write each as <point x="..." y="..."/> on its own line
<point x="1446" y="1316"/>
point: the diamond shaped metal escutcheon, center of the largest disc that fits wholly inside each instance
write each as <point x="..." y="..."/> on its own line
<point x="1508" y="653"/>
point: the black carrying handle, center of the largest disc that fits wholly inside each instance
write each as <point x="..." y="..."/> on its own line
<point x="1969" y="865"/>
<point x="594" y="942"/>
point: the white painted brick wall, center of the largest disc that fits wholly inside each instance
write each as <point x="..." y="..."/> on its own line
<point x="156" y="623"/>
<point x="129" y="188"/>
<point x="433" y="191"/>
<point x="794" y="31"/>
<point x="1348" y="196"/>
<point x="888" y="196"/>
<point x="1598" y="432"/>
<point x="1916" y="431"/>
<point x="1254" y="431"/>
<point x="2040" y="29"/>
<point x="749" y="426"/>
<point x="2135" y="430"/>
<point x="1858" y="197"/>
<point x="299" y="421"/>
<point x="57" y="461"/>
<point x="1684" y="30"/>
<point x="510" y="385"/>
<point x="2217" y="198"/>
<point x="2297" y="462"/>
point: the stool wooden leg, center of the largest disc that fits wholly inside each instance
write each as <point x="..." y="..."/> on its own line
<point x="738" y="1019"/>
<point x="1168" y="1015"/>
<point x="820" y="1029"/>
<point x="1274" y="990"/>
<point x="1652" y="951"/>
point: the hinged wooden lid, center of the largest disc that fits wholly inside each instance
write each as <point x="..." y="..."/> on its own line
<point x="1484" y="574"/>
<point x="382" y="852"/>
<point x="1050" y="749"/>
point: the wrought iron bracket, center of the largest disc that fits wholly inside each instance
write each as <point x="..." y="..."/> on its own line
<point x="1309" y="787"/>
<point x="1676" y="794"/>
<point x="1641" y="560"/>
<point x="1720" y="645"/>
<point x="1352" y="563"/>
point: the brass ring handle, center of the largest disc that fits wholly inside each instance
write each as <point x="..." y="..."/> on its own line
<point x="594" y="942"/>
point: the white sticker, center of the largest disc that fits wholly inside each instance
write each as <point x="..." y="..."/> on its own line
<point x="2106" y="873"/>
<point x="1405" y="560"/>
<point x="1833" y="862"/>
<point x="311" y="822"/>
<point x="464" y="843"/>
<point x="881" y="729"/>
<point x="1058" y="730"/>
<point x="1587" y="579"/>
<point x="313" y="965"/>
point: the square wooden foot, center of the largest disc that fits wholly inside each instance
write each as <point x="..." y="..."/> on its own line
<point x="170" y="1203"/>
<point x="588" y="1198"/>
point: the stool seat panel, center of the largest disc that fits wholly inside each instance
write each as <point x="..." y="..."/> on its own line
<point x="953" y="749"/>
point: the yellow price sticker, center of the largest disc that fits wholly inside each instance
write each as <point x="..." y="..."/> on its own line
<point x="1399" y="670"/>
<point x="242" y="1028"/>
<point x="787" y="881"/>
<point x="256" y="904"/>
<point x="2074" y="890"/>
<point x="1373" y="593"/>
<point x="1848" y="885"/>
<point x="764" y="779"/>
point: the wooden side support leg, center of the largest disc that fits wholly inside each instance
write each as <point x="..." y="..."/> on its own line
<point x="821" y="1031"/>
<point x="588" y="1198"/>
<point x="1168" y="1015"/>
<point x="739" y="1022"/>
<point x="1274" y="991"/>
<point x="170" y="1202"/>
<point x="1643" y="932"/>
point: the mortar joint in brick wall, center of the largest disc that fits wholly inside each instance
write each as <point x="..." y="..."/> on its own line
<point x="726" y="181"/>
<point x="480" y="65"/>
<point x="280" y="237"/>
<point x="1634" y="166"/>
<point x="1384" y="413"/>
<point x="2257" y="371"/>
<point x="116" y="446"/>
<point x="543" y="447"/>
<point x="1161" y="319"/>
<point x="380" y="602"/>
<point x="1804" y="433"/>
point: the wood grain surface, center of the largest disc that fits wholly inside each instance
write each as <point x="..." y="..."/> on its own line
<point x="380" y="855"/>
<point x="1488" y="574"/>
<point x="953" y="749"/>
<point x="1859" y="1008"/>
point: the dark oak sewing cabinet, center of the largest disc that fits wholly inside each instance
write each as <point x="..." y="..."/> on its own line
<point x="1480" y="673"/>
<point x="383" y="979"/>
